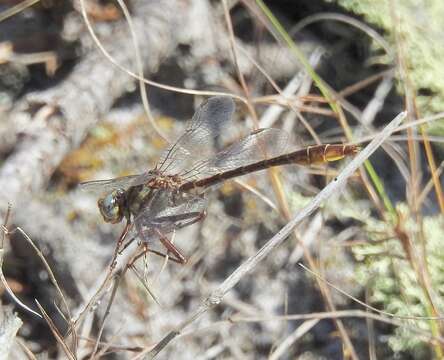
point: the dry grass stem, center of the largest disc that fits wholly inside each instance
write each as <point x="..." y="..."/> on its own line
<point x="351" y="21"/>
<point x="292" y="338"/>
<point x="5" y="234"/>
<point x="368" y="307"/>
<point x="105" y="315"/>
<point x="256" y="192"/>
<point x="143" y="79"/>
<point x="330" y="315"/>
<point x="139" y="64"/>
<point x="56" y="333"/>
<point x="17" y="9"/>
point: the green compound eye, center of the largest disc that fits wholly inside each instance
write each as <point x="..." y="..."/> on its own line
<point x="110" y="208"/>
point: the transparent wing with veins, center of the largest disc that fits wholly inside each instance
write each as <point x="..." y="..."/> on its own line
<point x="259" y="145"/>
<point x="167" y="212"/>
<point x="124" y="182"/>
<point x="197" y="142"/>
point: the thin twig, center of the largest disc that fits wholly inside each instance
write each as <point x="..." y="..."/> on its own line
<point x="348" y="20"/>
<point x="145" y="285"/>
<point x="56" y="333"/>
<point x="6" y="233"/>
<point x="311" y="272"/>
<point x="331" y="315"/>
<point x="5" y="225"/>
<point x="105" y="315"/>
<point x="146" y="81"/>
<point x="256" y="192"/>
<point x="52" y="278"/>
<point x="139" y="63"/>
<point x="288" y="91"/>
<point x="16" y="9"/>
<point x="109" y="275"/>
<point x="292" y="338"/>
<point x="26" y="350"/>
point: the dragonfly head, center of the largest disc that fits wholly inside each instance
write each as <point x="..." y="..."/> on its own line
<point x="111" y="206"/>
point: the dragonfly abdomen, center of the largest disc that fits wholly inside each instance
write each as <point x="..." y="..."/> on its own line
<point x="326" y="153"/>
<point x="311" y="155"/>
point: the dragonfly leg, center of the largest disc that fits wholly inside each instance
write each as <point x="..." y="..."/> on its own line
<point x="171" y="248"/>
<point x="119" y="243"/>
<point x="180" y="220"/>
<point x="193" y="219"/>
<point x="178" y="257"/>
<point x="147" y="249"/>
<point x="128" y="243"/>
<point x="168" y="223"/>
<point x="137" y="257"/>
<point x="161" y="254"/>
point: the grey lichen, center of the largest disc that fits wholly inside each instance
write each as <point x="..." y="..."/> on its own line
<point x="10" y="323"/>
<point x="393" y="283"/>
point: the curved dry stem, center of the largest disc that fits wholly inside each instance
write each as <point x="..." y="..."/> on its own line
<point x="107" y="312"/>
<point x="348" y="20"/>
<point x="314" y="59"/>
<point x="259" y="194"/>
<point x="331" y="315"/>
<point x="9" y="290"/>
<point x="47" y="267"/>
<point x="292" y="338"/>
<point x="112" y="271"/>
<point x="56" y="333"/>
<point x="6" y="233"/>
<point x="139" y="63"/>
<point x="143" y="79"/>
<point x="369" y="307"/>
<point x="16" y="9"/>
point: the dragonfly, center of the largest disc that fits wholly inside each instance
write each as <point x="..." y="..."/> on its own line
<point x="172" y="195"/>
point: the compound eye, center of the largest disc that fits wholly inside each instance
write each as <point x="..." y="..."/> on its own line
<point x="109" y="202"/>
<point x="109" y="208"/>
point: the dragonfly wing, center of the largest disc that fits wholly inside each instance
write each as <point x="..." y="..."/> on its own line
<point x="166" y="212"/>
<point x="124" y="182"/>
<point x="197" y="142"/>
<point x="259" y="145"/>
<point x="190" y="205"/>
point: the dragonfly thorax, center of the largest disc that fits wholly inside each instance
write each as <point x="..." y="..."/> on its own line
<point x="111" y="206"/>
<point x="165" y="182"/>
